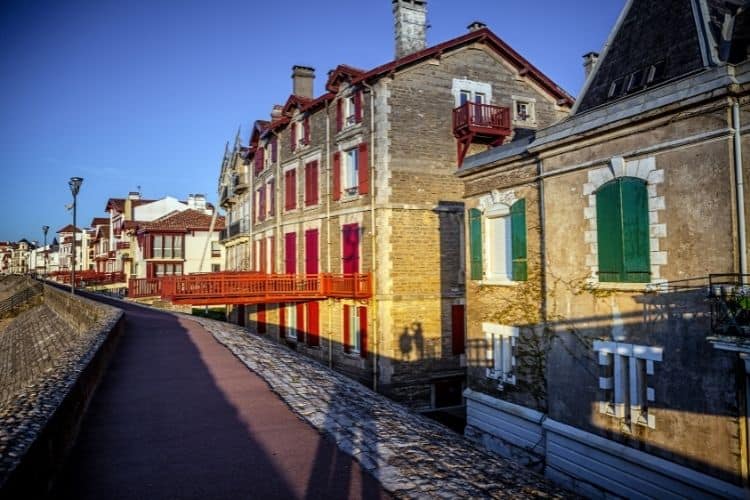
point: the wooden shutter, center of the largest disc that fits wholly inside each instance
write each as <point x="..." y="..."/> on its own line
<point x="518" y="240"/>
<point x="290" y="253"/>
<point x="609" y="232"/>
<point x="350" y="257"/>
<point x="272" y="253"/>
<point x="475" y="241"/>
<point x="363" y="169"/>
<point x="306" y="126"/>
<point x="293" y="136"/>
<point x="290" y="188"/>
<point x="274" y="149"/>
<point x="313" y="324"/>
<point x="311" y="251"/>
<point x="282" y="320"/>
<point x="259" y="152"/>
<point x="362" y="332"/>
<point x="458" y="328"/>
<point x="262" y="256"/>
<point x="314" y="182"/>
<point x="337" y="175"/>
<point x="272" y="196"/>
<point x="339" y="115"/>
<point x="636" y="248"/>
<point x="261" y="318"/>
<point x="300" y="322"/>
<point x="358" y="106"/>
<point x="347" y="328"/>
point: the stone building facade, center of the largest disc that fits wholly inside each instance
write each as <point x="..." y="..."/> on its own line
<point x="592" y="349"/>
<point x="361" y="180"/>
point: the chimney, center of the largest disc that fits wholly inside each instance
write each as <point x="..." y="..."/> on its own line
<point x="134" y="195"/>
<point x="276" y="111"/>
<point x="589" y="61"/>
<point x="302" y="81"/>
<point x="476" y="26"/>
<point x="200" y="202"/>
<point x="410" y="26"/>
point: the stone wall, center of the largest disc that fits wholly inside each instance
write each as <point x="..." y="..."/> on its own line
<point x="51" y="359"/>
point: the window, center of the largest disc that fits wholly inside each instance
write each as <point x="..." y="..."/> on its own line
<point x="215" y="268"/>
<point x="351" y="172"/>
<point x="350" y="248"/>
<point x="311" y="251"/>
<point x="470" y="91"/>
<point x="355" y="330"/>
<point x="625" y="380"/>
<point x="524" y="110"/>
<point x="349" y="110"/>
<point x="501" y="342"/>
<point x="290" y="253"/>
<point x="311" y="183"/>
<point x="290" y="189"/>
<point x="290" y="317"/>
<point x="271" y="196"/>
<point x="167" y="246"/>
<point x="159" y="269"/>
<point x="502" y="257"/>
<point x="215" y="249"/>
<point x="622" y="231"/>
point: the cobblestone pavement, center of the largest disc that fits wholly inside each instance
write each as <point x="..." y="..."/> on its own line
<point x="412" y="456"/>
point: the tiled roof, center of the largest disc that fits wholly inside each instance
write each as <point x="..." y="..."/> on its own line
<point x="100" y="221"/>
<point x="68" y="229"/>
<point x="186" y="220"/>
<point x="118" y="204"/>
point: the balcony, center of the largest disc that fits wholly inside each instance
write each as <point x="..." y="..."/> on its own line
<point x="234" y="229"/>
<point x="257" y="288"/>
<point x="475" y="123"/>
<point x="729" y="296"/>
<point x="144" y="287"/>
<point x="123" y="245"/>
<point x="240" y="183"/>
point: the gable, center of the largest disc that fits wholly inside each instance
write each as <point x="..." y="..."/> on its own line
<point x="642" y="41"/>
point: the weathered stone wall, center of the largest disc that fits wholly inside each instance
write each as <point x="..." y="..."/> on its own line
<point x="51" y="359"/>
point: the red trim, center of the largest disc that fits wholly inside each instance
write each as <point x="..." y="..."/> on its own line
<point x="311" y="251"/>
<point x="313" y="324"/>
<point x="290" y="189"/>
<point x="358" y="106"/>
<point x="290" y="253"/>
<point x="350" y="247"/>
<point x="364" y="170"/>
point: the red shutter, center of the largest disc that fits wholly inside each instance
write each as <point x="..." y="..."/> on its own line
<point x="301" y="322"/>
<point x="358" y="106"/>
<point x="313" y="324"/>
<point x="315" y="183"/>
<point x="363" y="332"/>
<point x="261" y="319"/>
<point x="272" y="196"/>
<point x="290" y="253"/>
<point x="350" y="235"/>
<point x="337" y="175"/>
<point x="339" y="115"/>
<point x="293" y="136"/>
<point x="262" y="256"/>
<point x="308" y="173"/>
<point x="258" y="159"/>
<point x="364" y="171"/>
<point x="274" y="149"/>
<point x="282" y="320"/>
<point x="458" y="329"/>
<point x="347" y="333"/>
<point x="311" y="251"/>
<point x="306" y="126"/>
<point x="272" y="253"/>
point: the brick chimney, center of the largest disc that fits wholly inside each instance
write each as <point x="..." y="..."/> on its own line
<point x="303" y="78"/>
<point x="410" y="26"/>
<point x="589" y="61"/>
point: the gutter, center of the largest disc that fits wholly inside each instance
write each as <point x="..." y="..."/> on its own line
<point x="739" y="188"/>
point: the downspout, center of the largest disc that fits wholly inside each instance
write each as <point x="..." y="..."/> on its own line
<point x="740" y="188"/>
<point x="328" y="229"/>
<point x="375" y="339"/>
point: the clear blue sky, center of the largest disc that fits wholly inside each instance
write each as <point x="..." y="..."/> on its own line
<point x="146" y="92"/>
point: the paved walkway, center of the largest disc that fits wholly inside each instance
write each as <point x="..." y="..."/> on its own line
<point x="178" y="416"/>
<point x="412" y="456"/>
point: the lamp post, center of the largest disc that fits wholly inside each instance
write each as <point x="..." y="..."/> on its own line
<point x="44" y="230"/>
<point x="75" y="185"/>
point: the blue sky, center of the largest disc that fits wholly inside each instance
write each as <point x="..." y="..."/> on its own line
<point x="146" y="92"/>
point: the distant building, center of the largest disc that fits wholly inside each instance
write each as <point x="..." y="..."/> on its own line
<point x="359" y="181"/>
<point x="593" y="350"/>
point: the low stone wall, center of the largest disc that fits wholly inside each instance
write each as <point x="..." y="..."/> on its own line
<point x="51" y="360"/>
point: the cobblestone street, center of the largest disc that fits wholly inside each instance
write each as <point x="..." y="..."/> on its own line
<point x="412" y="456"/>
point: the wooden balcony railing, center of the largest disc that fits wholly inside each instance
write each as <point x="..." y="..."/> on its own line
<point x="85" y="278"/>
<point x="144" y="287"/>
<point x="253" y="287"/>
<point x="481" y="116"/>
<point x="123" y="245"/>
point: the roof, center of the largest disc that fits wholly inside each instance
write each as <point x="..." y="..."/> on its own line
<point x="118" y="204"/>
<point x="183" y="221"/>
<point x="99" y="221"/>
<point x="68" y="229"/>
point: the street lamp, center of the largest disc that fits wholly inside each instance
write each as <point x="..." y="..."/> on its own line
<point x="75" y="185"/>
<point x="44" y="230"/>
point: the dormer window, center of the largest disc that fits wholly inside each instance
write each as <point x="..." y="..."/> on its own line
<point x="349" y="110"/>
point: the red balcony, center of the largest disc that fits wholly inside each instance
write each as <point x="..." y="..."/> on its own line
<point x="257" y="288"/>
<point x="123" y="245"/>
<point x="479" y="124"/>
<point x="144" y="287"/>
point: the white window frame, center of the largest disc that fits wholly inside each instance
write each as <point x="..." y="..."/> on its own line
<point x="290" y="309"/>
<point x="625" y="381"/>
<point x="354" y="330"/>
<point x="349" y="112"/>
<point x="471" y="87"/>
<point x="498" y="244"/>
<point x="501" y="343"/>
<point x="350" y="179"/>
<point x="530" y="102"/>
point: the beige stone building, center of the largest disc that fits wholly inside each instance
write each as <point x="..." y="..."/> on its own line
<point x="594" y="350"/>
<point x="360" y="180"/>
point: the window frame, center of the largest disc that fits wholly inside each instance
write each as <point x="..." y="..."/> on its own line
<point x="349" y="175"/>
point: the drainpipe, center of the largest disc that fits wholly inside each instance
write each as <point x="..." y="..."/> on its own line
<point x="740" y="188"/>
<point x="328" y="229"/>
<point x="375" y="339"/>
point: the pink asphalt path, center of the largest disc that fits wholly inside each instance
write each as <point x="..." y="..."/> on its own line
<point x="178" y="416"/>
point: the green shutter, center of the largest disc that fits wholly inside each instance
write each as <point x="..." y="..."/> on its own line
<point x="635" y="249"/>
<point x="609" y="232"/>
<point x="475" y="241"/>
<point x="518" y="240"/>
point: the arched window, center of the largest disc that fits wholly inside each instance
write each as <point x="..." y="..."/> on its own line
<point x="622" y="231"/>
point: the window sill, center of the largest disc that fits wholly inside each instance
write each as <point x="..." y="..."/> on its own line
<point x="617" y="286"/>
<point x="499" y="282"/>
<point x="349" y="197"/>
<point x="311" y="207"/>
